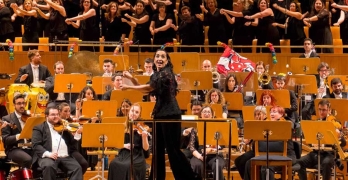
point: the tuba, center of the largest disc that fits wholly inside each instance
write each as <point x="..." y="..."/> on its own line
<point x="265" y="78"/>
<point x="216" y="76"/>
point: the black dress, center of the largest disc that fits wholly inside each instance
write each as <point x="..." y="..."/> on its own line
<point x="343" y="32"/>
<point x="162" y="37"/>
<point x="216" y="30"/>
<point x="242" y="35"/>
<point x="267" y="33"/>
<point x="142" y="33"/>
<point x="6" y="28"/>
<point x="320" y="31"/>
<point x="167" y="135"/>
<point x="191" y="33"/>
<point x="119" y="168"/>
<point x="30" y="32"/>
<point x="296" y="34"/>
<point x="89" y="32"/>
<point x="126" y="27"/>
<point x="58" y="28"/>
<point x="112" y="31"/>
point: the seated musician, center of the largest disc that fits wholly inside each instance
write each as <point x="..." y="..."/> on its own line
<point x="196" y="107"/>
<point x="11" y="133"/>
<point x="119" y="168"/>
<point x="277" y="113"/>
<point x="206" y="66"/>
<point x="34" y="72"/>
<point x="148" y="67"/>
<point x="336" y="85"/>
<point x="309" y="49"/>
<point x="57" y="98"/>
<point x="214" y="96"/>
<point x="53" y="149"/>
<point x="109" y="68"/>
<point x="292" y="111"/>
<point x="231" y="83"/>
<point x="124" y="109"/>
<point x="260" y="113"/>
<point x="64" y="113"/>
<point x="198" y="152"/>
<point x="326" y="157"/>
<point x="117" y="82"/>
<point x="87" y="94"/>
<point x="323" y="89"/>
<point x="267" y="99"/>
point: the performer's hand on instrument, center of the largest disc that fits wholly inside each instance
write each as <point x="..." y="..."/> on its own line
<point x="54" y="156"/>
<point x="188" y="130"/>
<point x="144" y="134"/>
<point x="80" y="130"/>
<point x="94" y="119"/>
<point x="4" y="124"/>
<point x="334" y="5"/>
<point x="127" y="74"/>
<point x="23" y="77"/>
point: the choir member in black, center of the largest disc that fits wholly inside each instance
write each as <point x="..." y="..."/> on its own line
<point x="6" y="28"/>
<point x="87" y="22"/>
<point x="266" y="32"/>
<point x="30" y="23"/>
<point x="42" y="23"/>
<point x="294" y="25"/>
<point x="17" y="21"/>
<point x="150" y="7"/>
<point x="72" y="8"/>
<point x="119" y="168"/>
<point x="160" y="26"/>
<point x="56" y="16"/>
<point x="343" y="23"/>
<point x="280" y="17"/>
<point x="113" y="28"/>
<point x="125" y="8"/>
<point x="215" y="21"/>
<point x="189" y="30"/>
<point x="306" y="6"/>
<point x="192" y="4"/>
<point x="309" y="49"/>
<point x="164" y="86"/>
<point x="243" y="30"/>
<point x="140" y="22"/>
<point x="335" y="12"/>
<point x="319" y="30"/>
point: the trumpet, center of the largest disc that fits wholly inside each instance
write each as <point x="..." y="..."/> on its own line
<point x="265" y="78"/>
<point x="216" y="76"/>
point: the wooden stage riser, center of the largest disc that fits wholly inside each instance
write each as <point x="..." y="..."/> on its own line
<point x="49" y="58"/>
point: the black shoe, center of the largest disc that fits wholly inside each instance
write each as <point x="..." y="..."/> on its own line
<point x="92" y="168"/>
<point x="233" y="168"/>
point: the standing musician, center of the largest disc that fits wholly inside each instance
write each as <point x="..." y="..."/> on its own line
<point x="163" y="84"/>
<point x="327" y="158"/>
<point x="336" y="85"/>
<point x="11" y="133"/>
<point x="119" y="168"/>
<point x="58" y="98"/>
<point x="34" y="72"/>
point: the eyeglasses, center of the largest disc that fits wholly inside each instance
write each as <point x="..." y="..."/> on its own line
<point x="20" y="103"/>
<point x="324" y="70"/>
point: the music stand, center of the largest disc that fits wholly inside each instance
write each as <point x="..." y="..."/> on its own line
<point x="142" y="79"/>
<point x="132" y="95"/>
<point x="218" y="133"/>
<point x="269" y="130"/>
<point x="114" y="119"/>
<point x="183" y="98"/>
<point x="146" y="110"/>
<point x="99" y="109"/>
<point x="340" y="105"/>
<point x="318" y="135"/>
<point x="121" y="61"/>
<point x="69" y="83"/>
<point x="217" y="108"/>
<point x="234" y="101"/>
<point x="304" y="66"/>
<point x="253" y="83"/>
<point x="31" y="122"/>
<point x="282" y="96"/>
<point x="103" y="135"/>
<point x="101" y="84"/>
<point x="197" y="80"/>
<point x="185" y="61"/>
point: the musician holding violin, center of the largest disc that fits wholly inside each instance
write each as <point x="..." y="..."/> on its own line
<point x="11" y="133"/>
<point x="53" y="149"/>
<point x="119" y="168"/>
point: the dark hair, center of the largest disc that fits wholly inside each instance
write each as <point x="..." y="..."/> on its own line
<point x="18" y="96"/>
<point x="185" y="7"/>
<point x="314" y="12"/>
<point x="108" y="61"/>
<point x="32" y="53"/>
<point x="226" y="82"/>
<point x="148" y="60"/>
<point x="308" y="39"/>
<point x="335" y="81"/>
<point x="258" y="3"/>
<point x="62" y="105"/>
<point x="281" y="78"/>
<point x="47" y="110"/>
<point x="119" y="110"/>
<point x="324" y="102"/>
<point x="142" y="14"/>
<point x="196" y="103"/>
<point x="114" y="76"/>
<point x="84" y="90"/>
<point x="296" y="6"/>
<point x="169" y="64"/>
<point x="160" y="4"/>
<point x="323" y="64"/>
<point x="90" y="5"/>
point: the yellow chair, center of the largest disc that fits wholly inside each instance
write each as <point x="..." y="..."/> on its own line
<point x="101" y="49"/>
<point x="335" y="30"/>
<point x="18" y="47"/>
<point x="285" y="42"/>
<point x="76" y="47"/>
<point x="305" y="28"/>
<point x="44" y="48"/>
<point x="206" y="40"/>
<point x="22" y="28"/>
<point x="337" y="46"/>
<point x="253" y="49"/>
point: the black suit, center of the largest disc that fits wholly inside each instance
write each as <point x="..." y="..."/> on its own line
<point x="292" y="111"/>
<point x="13" y="152"/>
<point x="27" y="69"/>
<point x="107" y="95"/>
<point x="42" y="142"/>
<point x="49" y="87"/>
<point x="331" y="95"/>
<point x="312" y="55"/>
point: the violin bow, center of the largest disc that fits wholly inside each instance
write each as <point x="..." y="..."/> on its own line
<point x="239" y="89"/>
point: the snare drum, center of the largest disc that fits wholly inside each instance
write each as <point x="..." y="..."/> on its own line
<point x="13" y="90"/>
<point x="38" y="98"/>
<point x="21" y="174"/>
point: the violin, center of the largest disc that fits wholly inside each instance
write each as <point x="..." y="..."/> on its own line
<point x="64" y="125"/>
<point x="13" y="126"/>
<point x="25" y="116"/>
<point x="140" y="127"/>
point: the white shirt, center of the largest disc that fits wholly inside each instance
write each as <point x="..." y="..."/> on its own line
<point x="35" y="70"/>
<point x="19" y="116"/>
<point x="60" y="97"/>
<point x="338" y="96"/>
<point x="147" y="74"/>
<point x="56" y="137"/>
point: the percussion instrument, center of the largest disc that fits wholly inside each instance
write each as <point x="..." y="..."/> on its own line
<point x="21" y="174"/>
<point x="38" y="98"/>
<point x="13" y="90"/>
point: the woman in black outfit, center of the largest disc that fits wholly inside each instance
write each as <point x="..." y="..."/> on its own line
<point x="113" y="28"/>
<point x="56" y="16"/>
<point x="29" y="15"/>
<point x="86" y="21"/>
<point x="294" y="27"/>
<point x="6" y="28"/>
<point x="266" y="32"/>
<point x="125" y="8"/>
<point x="167" y="135"/>
<point x="140" y="22"/>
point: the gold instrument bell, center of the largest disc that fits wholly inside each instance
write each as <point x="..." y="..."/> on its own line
<point x="265" y="78"/>
<point x="216" y="76"/>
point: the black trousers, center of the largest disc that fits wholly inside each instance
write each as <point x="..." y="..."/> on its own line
<point x="23" y="157"/>
<point x="241" y="161"/>
<point x="197" y="165"/>
<point x="311" y="161"/>
<point x="81" y="160"/>
<point x="67" y="164"/>
<point x="167" y="138"/>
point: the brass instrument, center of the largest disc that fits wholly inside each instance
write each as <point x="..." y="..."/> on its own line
<point x="216" y="76"/>
<point x="265" y="78"/>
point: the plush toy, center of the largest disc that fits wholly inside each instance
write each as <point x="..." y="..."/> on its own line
<point x="71" y="50"/>
<point x="271" y="48"/>
<point x="231" y="61"/>
<point x="169" y="44"/>
<point x="10" y="49"/>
